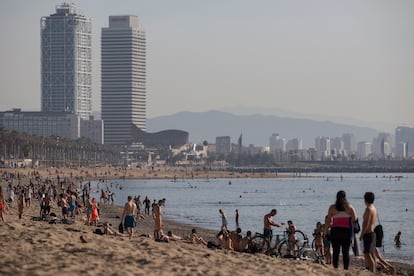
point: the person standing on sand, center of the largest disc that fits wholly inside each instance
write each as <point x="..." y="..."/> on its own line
<point x="157" y="216"/>
<point x="147" y="203"/>
<point x="268" y="222"/>
<point x="339" y="218"/>
<point x="128" y="216"/>
<point x="367" y="232"/>
<point x="93" y="219"/>
<point x="3" y="204"/>
<point x="237" y="219"/>
<point x="20" y="203"/>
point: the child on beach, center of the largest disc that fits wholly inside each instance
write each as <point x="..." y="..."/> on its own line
<point x="291" y="230"/>
<point x="318" y="235"/>
<point x="93" y="219"/>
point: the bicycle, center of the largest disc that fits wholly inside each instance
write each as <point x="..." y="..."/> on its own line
<point x="281" y="247"/>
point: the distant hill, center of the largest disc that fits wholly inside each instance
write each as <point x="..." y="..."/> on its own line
<point x="256" y="129"/>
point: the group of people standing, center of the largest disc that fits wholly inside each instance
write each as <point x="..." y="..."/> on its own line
<point x="339" y="226"/>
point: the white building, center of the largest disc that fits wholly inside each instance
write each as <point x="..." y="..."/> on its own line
<point x="364" y="150"/>
<point x="66" y="57"/>
<point x="277" y="143"/>
<point x="123" y="76"/>
<point x="294" y="144"/>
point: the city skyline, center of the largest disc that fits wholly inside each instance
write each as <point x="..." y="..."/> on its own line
<point x="344" y="59"/>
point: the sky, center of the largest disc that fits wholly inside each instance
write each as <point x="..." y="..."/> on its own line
<point x="351" y="59"/>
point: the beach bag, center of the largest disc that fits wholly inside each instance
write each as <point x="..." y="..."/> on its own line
<point x="379" y="233"/>
<point x="121" y="228"/>
<point x="356" y="226"/>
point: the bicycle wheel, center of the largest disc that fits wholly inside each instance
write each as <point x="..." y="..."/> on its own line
<point x="301" y="241"/>
<point x="259" y="244"/>
<point x="283" y="250"/>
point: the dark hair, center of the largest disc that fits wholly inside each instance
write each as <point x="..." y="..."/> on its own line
<point x="340" y="201"/>
<point x="369" y="197"/>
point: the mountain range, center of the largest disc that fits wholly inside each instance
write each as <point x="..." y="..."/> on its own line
<point x="255" y="129"/>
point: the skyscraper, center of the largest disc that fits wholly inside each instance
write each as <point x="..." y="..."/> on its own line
<point x="66" y="40"/>
<point x="123" y="79"/>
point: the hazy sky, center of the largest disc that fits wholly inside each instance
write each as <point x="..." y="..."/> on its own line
<point x="350" y="59"/>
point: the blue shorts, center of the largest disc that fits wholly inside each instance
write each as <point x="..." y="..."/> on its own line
<point x="129" y="222"/>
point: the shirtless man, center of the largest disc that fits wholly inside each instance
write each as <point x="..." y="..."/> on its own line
<point x="367" y="232"/>
<point x="128" y="216"/>
<point x="156" y="215"/>
<point x="268" y="222"/>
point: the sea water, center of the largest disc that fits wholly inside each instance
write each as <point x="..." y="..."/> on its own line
<point x="303" y="200"/>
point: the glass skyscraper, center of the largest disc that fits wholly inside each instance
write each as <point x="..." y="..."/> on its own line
<point x="123" y="69"/>
<point x="66" y="41"/>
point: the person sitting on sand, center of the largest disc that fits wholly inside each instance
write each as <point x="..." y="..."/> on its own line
<point x="236" y="237"/>
<point x="246" y="242"/>
<point x="128" y="216"/>
<point x="194" y="238"/>
<point x="224" y="240"/>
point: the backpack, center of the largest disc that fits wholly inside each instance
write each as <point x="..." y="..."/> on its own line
<point x="379" y="233"/>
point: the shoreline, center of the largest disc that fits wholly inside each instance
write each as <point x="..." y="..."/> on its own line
<point x="31" y="240"/>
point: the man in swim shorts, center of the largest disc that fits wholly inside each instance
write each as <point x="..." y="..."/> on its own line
<point x="268" y="222"/>
<point x="367" y="232"/>
<point x="128" y="216"/>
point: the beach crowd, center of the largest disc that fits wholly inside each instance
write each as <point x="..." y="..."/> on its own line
<point x="63" y="199"/>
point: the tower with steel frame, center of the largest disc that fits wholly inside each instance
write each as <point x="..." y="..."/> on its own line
<point x="66" y="57"/>
<point x="123" y="75"/>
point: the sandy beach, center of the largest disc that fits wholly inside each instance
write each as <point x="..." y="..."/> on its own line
<point x="32" y="247"/>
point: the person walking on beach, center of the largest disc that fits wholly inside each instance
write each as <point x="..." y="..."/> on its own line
<point x="339" y="218"/>
<point x="268" y="222"/>
<point x="223" y="220"/>
<point x="147" y="203"/>
<point x="2" y="204"/>
<point x="128" y="216"/>
<point x="367" y="232"/>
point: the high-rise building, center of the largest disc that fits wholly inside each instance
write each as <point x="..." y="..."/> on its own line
<point x="350" y="145"/>
<point x="404" y="134"/>
<point x="223" y="144"/>
<point x="66" y="57"/>
<point x="123" y="79"/>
